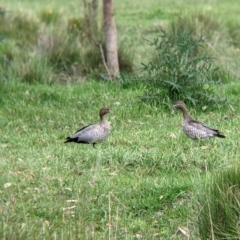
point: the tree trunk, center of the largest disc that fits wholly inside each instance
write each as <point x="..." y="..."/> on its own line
<point x="111" y="39"/>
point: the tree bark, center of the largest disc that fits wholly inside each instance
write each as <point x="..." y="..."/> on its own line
<point x="111" y="39"/>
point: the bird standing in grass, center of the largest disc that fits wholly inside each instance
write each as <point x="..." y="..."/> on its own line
<point x="93" y="133"/>
<point x="193" y="128"/>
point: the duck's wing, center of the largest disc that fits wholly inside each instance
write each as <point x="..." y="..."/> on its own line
<point x="202" y="126"/>
<point x="86" y="134"/>
<point x="81" y="129"/>
<point x="205" y="128"/>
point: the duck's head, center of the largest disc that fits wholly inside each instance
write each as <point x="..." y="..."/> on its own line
<point x="104" y="111"/>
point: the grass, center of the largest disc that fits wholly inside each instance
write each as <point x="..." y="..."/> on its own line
<point x="144" y="181"/>
<point x="140" y="182"/>
<point x="219" y="208"/>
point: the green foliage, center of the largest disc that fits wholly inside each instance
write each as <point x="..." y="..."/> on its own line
<point x="181" y="69"/>
<point x="219" y="204"/>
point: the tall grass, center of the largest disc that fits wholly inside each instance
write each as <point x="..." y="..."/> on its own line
<point x="219" y="206"/>
<point x="66" y="45"/>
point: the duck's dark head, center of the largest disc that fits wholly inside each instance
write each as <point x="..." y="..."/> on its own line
<point x="104" y="111"/>
<point x="180" y="104"/>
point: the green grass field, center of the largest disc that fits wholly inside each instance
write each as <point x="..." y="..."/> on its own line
<point x="143" y="182"/>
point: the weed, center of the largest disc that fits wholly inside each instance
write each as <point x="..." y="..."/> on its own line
<point x="181" y="69"/>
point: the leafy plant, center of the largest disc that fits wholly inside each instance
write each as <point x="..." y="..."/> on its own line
<point x="181" y="69"/>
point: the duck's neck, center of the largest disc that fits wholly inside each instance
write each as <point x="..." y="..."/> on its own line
<point x="102" y="118"/>
<point x="186" y="116"/>
<point x="104" y="123"/>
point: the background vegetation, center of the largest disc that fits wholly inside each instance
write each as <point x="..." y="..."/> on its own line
<point x="147" y="181"/>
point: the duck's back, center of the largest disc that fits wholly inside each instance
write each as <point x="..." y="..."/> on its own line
<point x="195" y="129"/>
<point x="92" y="133"/>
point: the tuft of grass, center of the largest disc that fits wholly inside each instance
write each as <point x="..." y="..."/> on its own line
<point x="219" y="205"/>
<point x="29" y="69"/>
<point x="35" y="69"/>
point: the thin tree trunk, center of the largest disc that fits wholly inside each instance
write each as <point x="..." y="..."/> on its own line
<point x="111" y="39"/>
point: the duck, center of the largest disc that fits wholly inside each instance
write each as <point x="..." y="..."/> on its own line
<point x="93" y="133"/>
<point x="195" y="129"/>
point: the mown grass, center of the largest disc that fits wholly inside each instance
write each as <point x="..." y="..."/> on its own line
<point x="140" y="182"/>
<point x="144" y="182"/>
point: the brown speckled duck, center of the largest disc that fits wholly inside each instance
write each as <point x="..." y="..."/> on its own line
<point x="93" y="133"/>
<point x="193" y="128"/>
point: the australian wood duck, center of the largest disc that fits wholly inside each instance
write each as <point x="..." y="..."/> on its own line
<point x="93" y="133"/>
<point x="193" y="128"/>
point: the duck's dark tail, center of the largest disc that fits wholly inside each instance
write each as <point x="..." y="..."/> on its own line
<point x="69" y="139"/>
<point x="76" y="140"/>
<point x="220" y="135"/>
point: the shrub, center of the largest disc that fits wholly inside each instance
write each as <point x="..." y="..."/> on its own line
<point x="219" y="203"/>
<point x="181" y="68"/>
